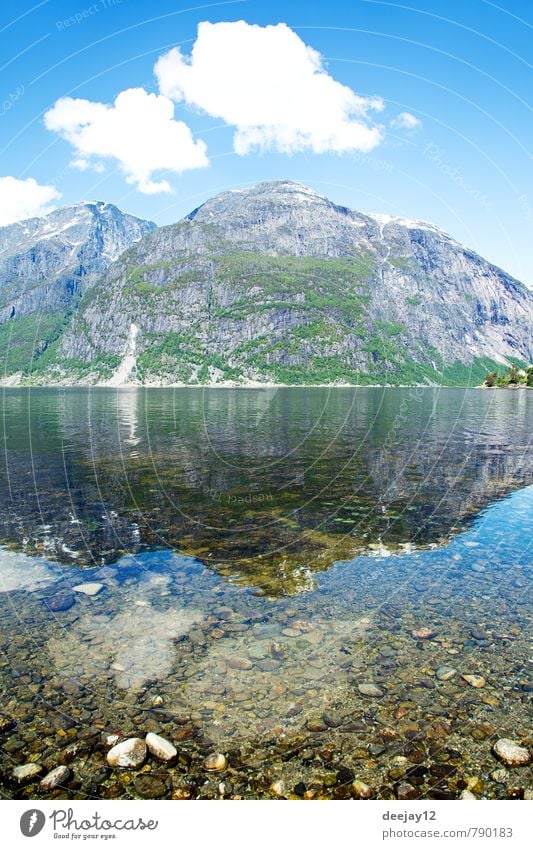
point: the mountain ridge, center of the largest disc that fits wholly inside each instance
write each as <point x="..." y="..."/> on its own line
<point x="47" y="264"/>
<point x="275" y="283"/>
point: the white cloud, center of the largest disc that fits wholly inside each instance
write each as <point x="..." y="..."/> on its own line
<point x="272" y="87"/>
<point x="24" y="199"/>
<point x="405" y="121"/>
<point x="138" y="131"/>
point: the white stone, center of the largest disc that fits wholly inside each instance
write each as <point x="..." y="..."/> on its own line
<point x="468" y="795"/>
<point x="278" y="788"/>
<point x="159" y="747"/>
<point x="511" y="753"/>
<point x="55" y="778"/>
<point x="129" y="754"/>
<point x="91" y="588"/>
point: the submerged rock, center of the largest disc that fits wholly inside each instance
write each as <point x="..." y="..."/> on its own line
<point x="278" y="788"/>
<point x="467" y="795"/>
<point x="150" y="787"/>
<point x="444" y="673"/>
<point x="129" y="754"/>
<point x="407" y="791"/>
<point x="58" y="776"/>
<point x="362" y="790"/>
<point x="26" y="772"/>
<point x="6" y="723"/>
<point x="215" y="762"/>
<point x="239" y="663"/>
<point x="90" y="588"/>
<point x="159" y="747"/>
<point x="60" y="602"/>
<point x="510" y="753"/>
<point x="424" y="633"/>
<point x="476" y="681"/>
<point x="370" y="690"/>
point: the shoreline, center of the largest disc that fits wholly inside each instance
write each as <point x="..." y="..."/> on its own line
<point x="8" y="384"/>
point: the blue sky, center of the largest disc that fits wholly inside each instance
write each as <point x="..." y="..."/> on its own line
<point x="461" y="71"/>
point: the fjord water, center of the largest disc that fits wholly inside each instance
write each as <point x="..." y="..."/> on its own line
<point x="264" y="557"/>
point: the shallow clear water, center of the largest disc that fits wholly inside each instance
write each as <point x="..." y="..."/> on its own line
<point x="263" y="555"/>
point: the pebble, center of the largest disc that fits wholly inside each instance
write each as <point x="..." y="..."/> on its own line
<point x="59" y="775"/>
<point x="424" y="633"/>
<point x="26" y="772"/>
<point x="332" y="718"/>
<point x="316" y="725"/>
<point x="370" y="690"/>
<point x="269" y="664"/>
<point x="444" y="673"/>
<point x="278" y="651"/>
<point x="239" y="663"/>
<point x="291" y="632"/>
<point x="510" y="753"/>
<point x="129" y="754"/>
<point x="407" y="791"/>
<point x="362" y="790"/>
<point x="500" y="776"/>
<point x="257" y="652"/>
<point x="60" y="602"/>
<point x="476" y="681"/>
<point x="215" y="762"/>
<point x="278" y="788"/>
<point x="467" y="795"/>
<point x="6" y="723"/>
<point x="90" y="588"/>
<point x="160" y="748"/>
<point x="181" y="793"/>
<point x="150" y="787"/>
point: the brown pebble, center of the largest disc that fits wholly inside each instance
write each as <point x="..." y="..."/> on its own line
<point x="215" y="762"/>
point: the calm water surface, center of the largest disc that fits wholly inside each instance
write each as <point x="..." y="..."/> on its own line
<point x="265" y="556"/>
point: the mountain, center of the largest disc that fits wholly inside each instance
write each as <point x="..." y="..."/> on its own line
<point x="46" y="265"/>
<point x="275" y="283"/>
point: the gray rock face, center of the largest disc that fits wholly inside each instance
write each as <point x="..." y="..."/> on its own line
<point x="46" y="262"/>
<point x="276" y="283"/>
<point x="46" y="266"/>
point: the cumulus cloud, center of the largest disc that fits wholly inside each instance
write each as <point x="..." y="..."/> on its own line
<point x="24" y="199"/>
<point x="138" y="132"/>
<point x="272" y="87"/>
<point x="405" y="121"/>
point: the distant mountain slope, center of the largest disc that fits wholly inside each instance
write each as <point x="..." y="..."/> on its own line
<point x="46" y="264"/>
<point x="277" y="284"/>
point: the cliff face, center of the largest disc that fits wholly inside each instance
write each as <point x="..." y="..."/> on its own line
<point x="47" y="264"/>
<point x="277" y="284"/>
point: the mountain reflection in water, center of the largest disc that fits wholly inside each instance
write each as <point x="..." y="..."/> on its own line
<point x="268" y="485"/>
